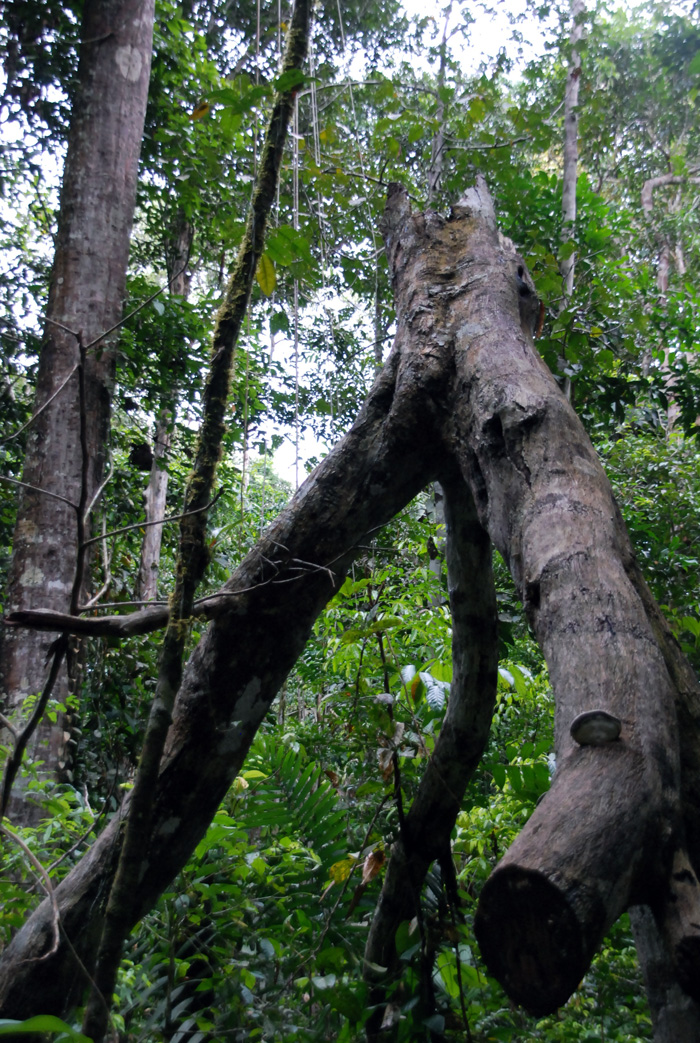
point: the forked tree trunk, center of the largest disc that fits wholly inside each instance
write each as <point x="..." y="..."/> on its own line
<point x="463" y="398"/>
<point x="85" y="300"/>
<point x="425" y="836"/>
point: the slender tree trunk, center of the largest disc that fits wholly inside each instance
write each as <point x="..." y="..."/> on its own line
<point x="567" y="264"/>
<point x="425" y="836"/>
<point x="85" y="300"/>
<point x="155" y="494"/>
<point x="437" y="149"/>
<point x="667" y="252"/>
<point x="568" y="197"/>
<point x="675" y="1017"/>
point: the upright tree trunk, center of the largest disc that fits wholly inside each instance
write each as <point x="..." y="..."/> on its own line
<point x="567" y="264"/>
<point x="675" y="1017"/>
<point x="568" y="196"/>
<point x="663" y="271"/>
<point x="437" y="149"/>
<point x="85" y="300"/>
<point x="156" y="491"/>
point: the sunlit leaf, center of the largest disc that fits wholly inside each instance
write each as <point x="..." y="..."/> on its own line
<point x="265" y="275"/>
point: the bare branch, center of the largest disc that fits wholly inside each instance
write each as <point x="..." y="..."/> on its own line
<point x="41" y="408"/>
<point x="158" y="521"/>
<point x="36" y="489"/>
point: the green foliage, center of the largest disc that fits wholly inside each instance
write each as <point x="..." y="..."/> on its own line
<point x="42" y="1023"/>
<point x="252" y="945"/>
<point x="58" y="843"/>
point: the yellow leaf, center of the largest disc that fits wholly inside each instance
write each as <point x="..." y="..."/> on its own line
<point x="200" y="110"/>
<point x="340" y="871"/>
<point x="265" y="274"/>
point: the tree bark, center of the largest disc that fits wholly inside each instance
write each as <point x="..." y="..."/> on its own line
<point x="268" y="609"/>
<point x="85" y="300"/>
<point x="674" y="1015"/>
<point x="156" y="492"/>
<point x="462" y="389"/>
<point x="431" y="818"/>
<point x="568" y="195"/>
<point x="667" y="250"/>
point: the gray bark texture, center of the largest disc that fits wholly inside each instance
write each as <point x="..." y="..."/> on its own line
<point x="156" y="492"/>
<point x="85" y="299"/>
<point x="674" y="1015"/>
<point x="570" y="174"/>
<point x="464" y="399"/>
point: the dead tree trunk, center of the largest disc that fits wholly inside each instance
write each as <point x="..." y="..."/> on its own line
<point x="85" y="300"/>
<point x="463" y="393"/>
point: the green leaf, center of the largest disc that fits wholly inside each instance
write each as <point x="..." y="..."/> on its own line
<point x="279" y="322"/>
<point x="265" y="275"/>
<point x="238" y="102"/>
<point x="348" y="1003"/>
<point x="288" y="80"/>
<point x="566" y="249"/>
<point x="40" y="1023"/>
<point x="287" y="243"/>
<point x="694" y="67"/>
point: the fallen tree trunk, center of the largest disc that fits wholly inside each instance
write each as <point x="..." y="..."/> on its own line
<point x="462" y="390"/>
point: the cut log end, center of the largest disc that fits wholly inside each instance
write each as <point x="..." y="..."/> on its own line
<point x="530" y="939"/>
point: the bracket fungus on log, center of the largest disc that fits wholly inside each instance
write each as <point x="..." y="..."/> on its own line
<point x="595" y="728"/>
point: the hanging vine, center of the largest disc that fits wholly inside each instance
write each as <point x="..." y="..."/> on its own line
<point x="192" y="552"/>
